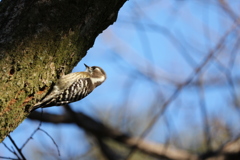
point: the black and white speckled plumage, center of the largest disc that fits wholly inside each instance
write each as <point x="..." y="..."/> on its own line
<point x="73" y="87"/>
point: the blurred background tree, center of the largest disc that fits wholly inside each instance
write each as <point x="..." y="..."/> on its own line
<point x="171" y="93"/>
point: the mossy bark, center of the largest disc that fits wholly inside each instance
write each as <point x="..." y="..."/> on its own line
<point x="39" y="38"/>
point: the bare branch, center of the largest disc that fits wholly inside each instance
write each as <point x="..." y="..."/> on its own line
<point x="8" y="158"/>
<point x="33" y="132"/>
<point x="11" y="150"/>
<point x="18" y="149"/>
<point x="52" y="140"/>
<point x="109" y="153"/>
<point x="100" y="131"/>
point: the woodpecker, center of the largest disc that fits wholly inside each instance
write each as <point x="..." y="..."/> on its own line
<point x="73" y="87"/>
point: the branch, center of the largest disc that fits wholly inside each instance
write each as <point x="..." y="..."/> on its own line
<point x="109" y="153"/>
<point x="52" y="140"/>
<point x="99" y="130"/>
<point x="11" y="150"/>
<point x="8" y="158"/>
<point x="18" y="149"/>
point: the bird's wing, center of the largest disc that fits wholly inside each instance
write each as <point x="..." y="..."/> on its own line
<point x="67" y="80"/>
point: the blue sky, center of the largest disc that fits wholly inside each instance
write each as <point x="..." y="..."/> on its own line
<point x="156" y="37"/>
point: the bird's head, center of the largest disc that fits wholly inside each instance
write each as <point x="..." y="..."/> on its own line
<point x="98" y="75"/>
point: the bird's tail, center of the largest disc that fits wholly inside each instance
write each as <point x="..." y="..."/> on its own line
<point x="36" y="106"/>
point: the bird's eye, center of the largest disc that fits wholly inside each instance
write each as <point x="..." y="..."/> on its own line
<point x="93" y="67"/>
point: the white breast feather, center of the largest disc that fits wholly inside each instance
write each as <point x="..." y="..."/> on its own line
<point x="95" y="80"/>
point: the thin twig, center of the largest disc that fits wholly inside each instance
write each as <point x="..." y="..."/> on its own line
<point x="32" y="133"/>
<point x="52" y="141"/>
<point x="18" y="149"/>
<point x="29" y="138"/>
<point x="8" y="147"/>
<point x="39" y="129"/>
<point x="11" y="150"/>
<point x="8" y="158"/>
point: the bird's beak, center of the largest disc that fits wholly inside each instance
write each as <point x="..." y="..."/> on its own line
<point x="86" y="65"/>
<point x="87" y="68"/>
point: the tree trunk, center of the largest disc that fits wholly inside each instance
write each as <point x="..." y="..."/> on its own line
<point x="38" y="39"/>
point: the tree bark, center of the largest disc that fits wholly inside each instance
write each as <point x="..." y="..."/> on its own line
<point x="37" y="40"/>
